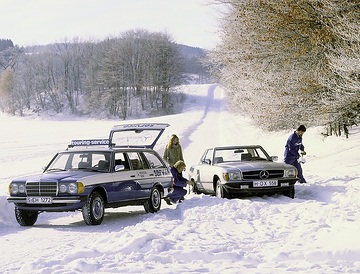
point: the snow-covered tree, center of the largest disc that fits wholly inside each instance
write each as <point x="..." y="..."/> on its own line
<point x="275" y="59"/>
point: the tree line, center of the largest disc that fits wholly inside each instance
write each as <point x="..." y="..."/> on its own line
<point x="291" y="62"/>
<point x="117" y="77"/>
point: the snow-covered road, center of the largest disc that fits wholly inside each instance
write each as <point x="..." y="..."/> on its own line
<point x="317" y="232"/>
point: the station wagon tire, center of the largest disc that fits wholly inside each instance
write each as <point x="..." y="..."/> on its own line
<point x="219" y="191"/>
<point x="153" y="204"/>
<point x="25" y="217"/>
<point x="94" y="209"/>
<point x="290" y="193"/>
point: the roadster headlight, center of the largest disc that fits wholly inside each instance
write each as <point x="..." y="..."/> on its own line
<point x="229" y="176"/>
<point x="292" y="173"/>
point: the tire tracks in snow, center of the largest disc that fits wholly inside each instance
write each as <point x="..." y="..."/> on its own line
<point x="209" y="101"/>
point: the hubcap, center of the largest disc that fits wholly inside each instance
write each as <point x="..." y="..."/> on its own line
<point x="97" y="208"/>
<point x="156" y="198"/>
<point x="218" y="191"/>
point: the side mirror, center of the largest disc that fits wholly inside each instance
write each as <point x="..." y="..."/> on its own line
<point x="119" y="168"/>
<point x="207" y="161"/>
<point x="274" y="158"/>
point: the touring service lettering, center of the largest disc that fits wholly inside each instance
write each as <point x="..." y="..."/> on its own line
<point x="90" y="142"/>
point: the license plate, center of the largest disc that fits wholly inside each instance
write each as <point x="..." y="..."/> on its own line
<point x="39" y="200"/>
<point x="265" y="183"/>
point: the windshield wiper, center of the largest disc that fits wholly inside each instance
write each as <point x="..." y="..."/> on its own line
<point x="93" y="169"/>
<point x="56" y="169"/>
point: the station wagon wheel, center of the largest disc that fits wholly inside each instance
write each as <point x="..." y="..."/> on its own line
<point x="219" y="191"/>
<point x="94" y="209"/>
<point x="153" y="204"/>
<point x="25" y="217"/>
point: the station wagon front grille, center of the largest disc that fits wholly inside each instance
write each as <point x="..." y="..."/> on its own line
<point x="41" y="188"/>
<point x="255" y="174"/>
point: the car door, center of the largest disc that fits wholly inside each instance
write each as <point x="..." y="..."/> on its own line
<point x="141" y="174"/>
<point x="159" y="169"/>
<point x="130" y="180"/>
<point x="205" y="171"/>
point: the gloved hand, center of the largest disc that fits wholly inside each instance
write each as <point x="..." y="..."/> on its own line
<point x="301" y="160"/>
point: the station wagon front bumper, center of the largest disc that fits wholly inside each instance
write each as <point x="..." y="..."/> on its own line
<point x="49" y="204"/>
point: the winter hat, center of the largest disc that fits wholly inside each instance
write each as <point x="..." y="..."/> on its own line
<point x="301" y="128"/>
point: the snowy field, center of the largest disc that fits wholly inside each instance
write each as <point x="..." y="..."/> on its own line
<point x="317" y="232"/>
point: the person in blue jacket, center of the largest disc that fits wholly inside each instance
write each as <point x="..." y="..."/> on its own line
<point x="179" y="182"/>
<point x="293" y="146"/>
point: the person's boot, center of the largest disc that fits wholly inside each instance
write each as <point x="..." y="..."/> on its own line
<point x="167" y="200"/>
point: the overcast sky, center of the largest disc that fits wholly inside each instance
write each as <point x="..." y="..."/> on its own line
<point x="38" y="22"/>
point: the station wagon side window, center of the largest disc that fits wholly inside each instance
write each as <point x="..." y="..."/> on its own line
<point x="136" y="161"/>
<point x="120" y="159"/>
<point x="153" y="160"/>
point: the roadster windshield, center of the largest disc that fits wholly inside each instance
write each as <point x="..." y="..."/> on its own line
<point x="240" y="154"/>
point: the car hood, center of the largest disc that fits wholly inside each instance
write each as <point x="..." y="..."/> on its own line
<point x="60" y="176"/>
<point x="255" y="165"/>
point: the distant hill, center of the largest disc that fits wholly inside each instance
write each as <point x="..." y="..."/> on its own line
<point x="194" y="68"/>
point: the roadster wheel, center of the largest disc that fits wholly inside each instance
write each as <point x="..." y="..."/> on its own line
<point x="220" y="191"/>
<point x="290" y="193"/>
<point x="195" y="188"/>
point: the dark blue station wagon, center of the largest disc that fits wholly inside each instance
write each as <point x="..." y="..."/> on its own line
<point x="91" y="175"/>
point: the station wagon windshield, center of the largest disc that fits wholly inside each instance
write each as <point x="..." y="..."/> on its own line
<point x="80" y="160"/>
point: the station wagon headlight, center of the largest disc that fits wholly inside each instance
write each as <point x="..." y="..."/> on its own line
<point x="229" y="176"/>
<point x="15" y="188"/>
<point x="292" y="173"/>
<point x="71" y="188"/>
<point x="22" y="188"/>
<point x="62" y="188"/>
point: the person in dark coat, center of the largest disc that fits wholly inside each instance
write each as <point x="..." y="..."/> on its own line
<point x="293" y="146"/>
<point x="179" y="182"/>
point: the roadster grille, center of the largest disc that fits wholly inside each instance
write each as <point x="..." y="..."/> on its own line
<point x="41" y="188"/>
<point x="255" y="174"/>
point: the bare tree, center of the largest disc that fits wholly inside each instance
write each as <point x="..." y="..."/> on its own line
<point x="117" y="77"/>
